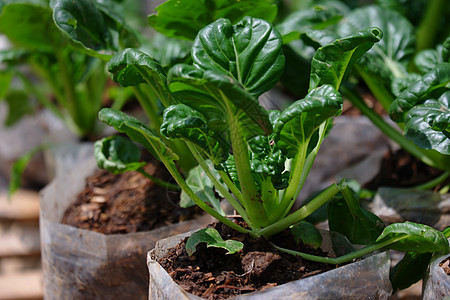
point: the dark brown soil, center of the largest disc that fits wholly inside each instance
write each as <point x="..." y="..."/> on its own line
<point x="401" y="169"/>
<point x="445" y="264"/>
<point x="126" y="203"/>
<point x="211" y="274"/>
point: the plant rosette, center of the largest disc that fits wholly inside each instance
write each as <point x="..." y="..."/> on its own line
<point x="257" y="160"/>
<point x="364" y="279"/>
<point x="83" y="264"/>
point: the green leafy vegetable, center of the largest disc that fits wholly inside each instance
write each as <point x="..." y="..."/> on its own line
<point x="137" y="131"/>
<point x="117" y="154"/>
<point x="184" y="19"/>
<point x="348" y="218"/>
<point x="181" y="121"/>
<point x="93" y="26"/>
<point x="343" y="53"/>
<point x="256" y="159"/>
<point x="250" y="52"/>
<point x="212" y="238"/>
<point x="295" y="126"/>
<point x="409" y="270"/>
<point x="389" y="57"/>
<point x="428" y="125"/>
<point x="414" y="237"/>
<point x="203" y="187"/>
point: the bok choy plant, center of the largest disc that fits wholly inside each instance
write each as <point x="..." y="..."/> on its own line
<point x="258" y="160"/>
<point x="45" y="66"/>
<point x="400" y="78"/>
<point x="387" y="69"/>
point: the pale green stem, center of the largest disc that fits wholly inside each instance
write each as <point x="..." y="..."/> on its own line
<point x="147" y="106"/>
<point x="432" y="183"/>
<point x="180" y="180"/>
<point x="70" y="98"/>
<point x="291" y="191"/>
<point x="216" y="183"/>
<point x="252" y="201"/>
<point x="301" y="213"/>
<point x="378" y="90"/>
<point x="236" y="192"/>
<point x="345" y="258"/>
<point x="159" y="182"/>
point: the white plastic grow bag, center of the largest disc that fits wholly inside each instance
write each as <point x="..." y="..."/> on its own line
<point x="365" y="279"/>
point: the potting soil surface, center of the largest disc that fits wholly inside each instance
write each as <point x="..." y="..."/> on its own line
<point x="128" y="202"/>
<point x="211" y="274"/>
<point x="401" y="169"/>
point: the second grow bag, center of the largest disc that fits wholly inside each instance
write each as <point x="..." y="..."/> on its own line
<point x="83" y="264"/>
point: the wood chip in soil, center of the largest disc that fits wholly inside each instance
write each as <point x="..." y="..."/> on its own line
<point x="445" y="266"/>
<point x="211" y="274"/>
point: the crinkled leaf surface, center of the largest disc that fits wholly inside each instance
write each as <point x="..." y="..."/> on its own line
<point x="117" y="154"/>
<point x="250" y="52"/>
<point x="137" y="131"/>
<point x="431" y="83"/>
<point x="94" y="27"/>
<point x="131" y="67"/>
<point x="30" y="25"/>
<point x="182" y="121"/>
<point x="403" y="83"/>
<point x="331" y="62"/>
<point x="389" y="57"/>
<point x="184" y="19"/>
<point x="268" y="161"/>
<point x="418" y="238"/>
<point x="296" y="124"/>
<point x="212" y="238"/>
<point x="216" y="96"/>
<point x="428" y="125"/>
<point x="202" y="186"/>
<point x="427" y="60"/>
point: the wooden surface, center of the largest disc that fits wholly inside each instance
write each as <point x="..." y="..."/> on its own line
<point x="20" y="266"/>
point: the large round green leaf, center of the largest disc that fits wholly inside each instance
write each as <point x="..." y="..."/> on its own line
<point x="428" y="125"/>
<point x="250" y="52"/>
<point x="217" y="97"/>
<point x="389" y="57"/>
<point x="92" y="26"/>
